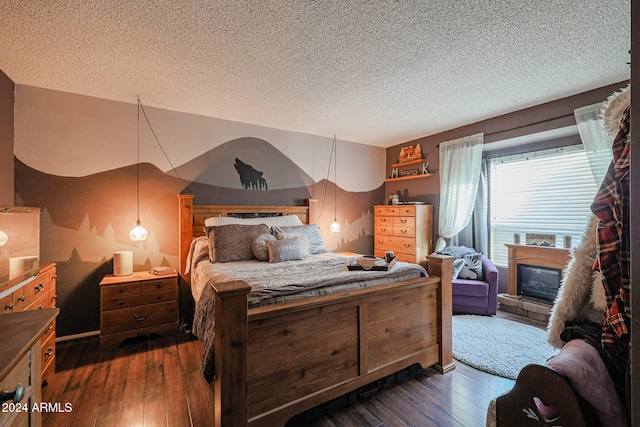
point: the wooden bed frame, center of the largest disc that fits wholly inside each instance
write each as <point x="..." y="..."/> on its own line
<point x="278" y="361"/>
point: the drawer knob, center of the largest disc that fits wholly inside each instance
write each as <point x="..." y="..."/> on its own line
<point x="39" y="288"/>
<point x="21" y="298"/>
<point x="140" y="318"/>
<point x="121" y="290"/>
<point x="16" y="395"/>
<point x="49" y="352"/>
<point x="8" y="307"/>
<point x="159" y="286"/>
<point x="402" y="220"/>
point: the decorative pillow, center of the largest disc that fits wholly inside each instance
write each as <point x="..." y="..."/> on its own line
<point x="312" y="231"/>
<point x="284" y="250"/>
<point x="458" y="264"/>
<point x="233" y="242"/>
<point x="270" y="221"/>
<point x="472" y="268"/>
<point x="259" y="246"/>
<point x="305" y="244"/>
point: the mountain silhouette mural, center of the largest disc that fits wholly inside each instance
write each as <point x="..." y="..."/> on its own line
<point x="218" y="166"/>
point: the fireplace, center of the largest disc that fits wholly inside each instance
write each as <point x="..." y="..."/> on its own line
<point x="537" y="269"/>
<point x="538" y="283"/>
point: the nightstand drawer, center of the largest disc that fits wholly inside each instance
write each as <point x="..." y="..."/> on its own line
<point x="126" y="319"/>
<point x="133" y="300"/>
<point x="120" y="290"/>
<point x="159" y="285"/>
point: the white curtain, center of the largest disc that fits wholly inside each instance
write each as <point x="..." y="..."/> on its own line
<point x="460" y="164"/>
<point x="597" y="143"/>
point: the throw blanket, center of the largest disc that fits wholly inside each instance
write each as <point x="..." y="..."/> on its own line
<point x="287" y="282"/>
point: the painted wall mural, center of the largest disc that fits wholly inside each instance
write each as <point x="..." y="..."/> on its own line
<point x="88" y="209"/>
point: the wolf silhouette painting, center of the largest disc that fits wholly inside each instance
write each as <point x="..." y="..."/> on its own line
<point x="249" y="177"/>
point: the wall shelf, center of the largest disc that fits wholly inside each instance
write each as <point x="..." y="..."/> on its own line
<point x="412" y="162"/>
<point x="402" y="178"/>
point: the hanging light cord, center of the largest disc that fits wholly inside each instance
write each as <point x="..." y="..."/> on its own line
<point x="141" y="107"/>
<point x="335" y="179"/>
<point x="138" y="169"/>
<point x="326" y="183"/>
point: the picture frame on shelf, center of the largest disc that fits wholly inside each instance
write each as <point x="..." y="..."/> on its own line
<point x="409" y="172"/>
<point x="533" y="239"/>
<point x="394" y="173"/>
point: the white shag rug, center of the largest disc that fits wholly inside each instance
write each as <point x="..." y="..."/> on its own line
<point x="498" y="346"/>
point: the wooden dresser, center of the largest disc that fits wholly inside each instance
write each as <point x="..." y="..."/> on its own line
<point x="137" y="304"/>
<point x="36" y="294"/>
<point x="407" y="230"/>
<point x="21" y="336"/>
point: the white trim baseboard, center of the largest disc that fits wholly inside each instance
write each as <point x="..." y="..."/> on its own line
<point x="77" y="336"/>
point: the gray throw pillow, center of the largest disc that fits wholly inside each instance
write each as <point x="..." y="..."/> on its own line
<point x="233" y="242"/>
<point x="259" y="246"/>
<point x="312" y="231"/>
<point x="284" y="250"/>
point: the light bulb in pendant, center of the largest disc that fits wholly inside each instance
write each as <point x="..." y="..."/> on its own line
<point x="138" y="233"/>
<point x="334" y="227"/>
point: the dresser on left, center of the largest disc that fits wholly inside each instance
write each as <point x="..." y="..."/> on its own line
<point x="21" y="361"/>
<point x="36" y="294"/>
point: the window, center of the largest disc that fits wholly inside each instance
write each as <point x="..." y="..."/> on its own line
<point x="545" y="192"/>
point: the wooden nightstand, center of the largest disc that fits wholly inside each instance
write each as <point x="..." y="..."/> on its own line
<point x="139" y="304"/>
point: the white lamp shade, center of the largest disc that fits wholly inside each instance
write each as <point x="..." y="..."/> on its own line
<point x="334" y="227"/>
<point x="138" y="233"/>
<point x="3" y="238"/>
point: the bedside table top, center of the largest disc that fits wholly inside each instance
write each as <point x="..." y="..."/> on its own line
<point x="136" y="276"/>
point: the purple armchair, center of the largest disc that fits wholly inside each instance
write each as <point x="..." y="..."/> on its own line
<point x="477" y="296"/>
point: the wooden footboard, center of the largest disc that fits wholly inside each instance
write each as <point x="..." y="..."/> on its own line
<point x="301" y="354"/>
<point x="277" y="361"/>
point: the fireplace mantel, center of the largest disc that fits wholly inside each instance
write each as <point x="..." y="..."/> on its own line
<point x="543" y="256"/>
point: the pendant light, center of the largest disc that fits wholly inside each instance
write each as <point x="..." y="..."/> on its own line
<point x="335" y="225"/>
<point x="138" y="233"/>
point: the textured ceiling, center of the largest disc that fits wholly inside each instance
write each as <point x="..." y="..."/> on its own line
<point x="375" y="72"/>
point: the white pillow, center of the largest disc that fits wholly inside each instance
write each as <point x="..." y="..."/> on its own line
<point x="270" y="221"/>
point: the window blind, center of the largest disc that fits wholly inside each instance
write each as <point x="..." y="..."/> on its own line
<point x="545" y="192"/>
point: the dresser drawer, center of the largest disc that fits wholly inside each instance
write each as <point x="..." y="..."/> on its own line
<point x="133" y="300"/>
<point x="389" y="210"/>
<point x="383" y="220"/>
<point x="36" y="289"/>
<point x="48" y="349"/>
<point x="408" y="210"/>
<point x="6" y="304"/>
<point x="404" y="221"/>
<point x="384" y="229"/>
<point x="18" y="375"/>
<point x="385" y="242"/>
<point x="120" y="290"/>
<point x="126" y="319"/>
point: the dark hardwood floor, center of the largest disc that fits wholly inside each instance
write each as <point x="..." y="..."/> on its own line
<point x="158" y="382"/>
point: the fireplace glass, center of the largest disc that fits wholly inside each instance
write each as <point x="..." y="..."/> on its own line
<point x="538" y="283"/>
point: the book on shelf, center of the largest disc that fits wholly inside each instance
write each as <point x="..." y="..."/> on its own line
<point x="161" y="270"/>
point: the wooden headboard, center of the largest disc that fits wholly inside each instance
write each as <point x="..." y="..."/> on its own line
<point x="191" y="218"/>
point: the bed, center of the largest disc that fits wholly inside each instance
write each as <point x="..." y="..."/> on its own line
<point x="280" y="360"/>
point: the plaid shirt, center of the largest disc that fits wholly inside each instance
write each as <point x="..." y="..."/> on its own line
<point x="611" y="206"/>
